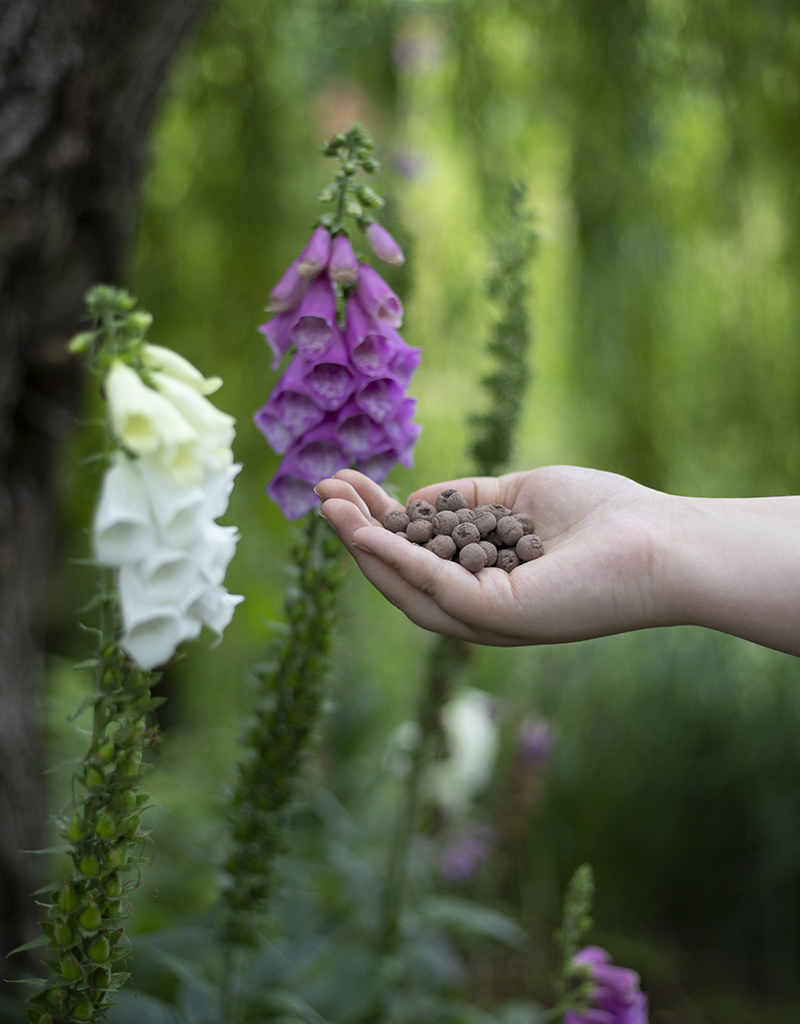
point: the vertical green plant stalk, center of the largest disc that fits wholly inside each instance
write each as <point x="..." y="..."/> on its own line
<point x="290" y="688"/>
<point x="105" y="836"/>
<point x="572" y="985"/>
<point x="493" y="437"/>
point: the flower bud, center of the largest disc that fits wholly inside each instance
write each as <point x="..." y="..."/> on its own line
<point x="94" y="778"/>
<point x="106" y="751"/>
<point x="70" y="969"/>
<point x="377" y="298"/>
<point x="90" y="866"/>
<point x="90" y="918"/>
<point x="289" y="291"/>
<point x="349" y="168"/>
<point x="314" y="258"/>
<point x="99" y="950"/>
<point x="343" y="265"/>
<point x="83" y="1011"/>
<point x="371" y="166"/>
<point x="63" y="934"/>
<point x="76" y="830"/>
<point x="369" y="197"/>
<point x="328" y="194"/>
<point x="112" y="886"/>
<point x="353" y="209"/>
<point x="118" y="856"/>
<point x="384" y="246"/>
<point x="101" y="977"/>
<point x="106" y="826"/>
<point x="68" y="897"/>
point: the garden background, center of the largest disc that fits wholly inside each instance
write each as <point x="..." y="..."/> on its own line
<point x="660" y="143"/>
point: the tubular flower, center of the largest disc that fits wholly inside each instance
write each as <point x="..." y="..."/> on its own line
<point x="384" y="246"/>
<point x="154" y="520"/>
<point x="342" y="398"/>
<point x="615" y="996"/>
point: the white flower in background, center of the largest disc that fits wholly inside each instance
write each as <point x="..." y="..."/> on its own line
<point x="472" y="737"/>
<point x="155" y="520"/>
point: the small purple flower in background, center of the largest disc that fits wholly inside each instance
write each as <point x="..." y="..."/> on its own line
<point x="614" y="997"/>
<point x="466" y="855"/>
<point x="535" y="743"/>
<point x="342" y="399"/>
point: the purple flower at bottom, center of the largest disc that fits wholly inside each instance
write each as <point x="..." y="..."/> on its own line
<point x="615" y="996"/>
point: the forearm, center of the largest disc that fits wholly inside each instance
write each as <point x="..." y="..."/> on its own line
<point x="734" y="565"/>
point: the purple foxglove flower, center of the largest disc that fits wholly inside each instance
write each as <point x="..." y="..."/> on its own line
<point x="379" y="398"/>
<point x="330" y="380"/>
<point x="404" y="437"/>
<point x="290" y="411"/>
<point x="314" y="258"/>
<point x="377" y="467"/>
<point x="384" y="246"/>
<point x="290" y="490"/>
<point x="369" y="343"/>
<point x="289" y="291"/>
<point x="277" y="335"/>
<point x="377" y="298"/>
<point x="359" y="434"/>
<point x="343" y="265"/>
<point x="466" y="855"/>
<point x="535" y="742"/>
<point x="615" y="996"/>
<point x="314" y="323"/>
<point x="318" y="453"/>
<point x="405" y="361"/>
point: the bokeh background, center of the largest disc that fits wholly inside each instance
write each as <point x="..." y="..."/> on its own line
<point x="660" y="142"/>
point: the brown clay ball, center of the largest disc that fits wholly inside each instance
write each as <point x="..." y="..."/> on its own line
<point x="529" y="547"/>
<point x="525" y="521"/>
<point x="465" y="515"/>
<point x="450" y="500"/>
<point x="402" y="533"/>
<point x="491" y="552"/>
<point x="499" y="510"/>
<point x="466" y="533"/>
<point x="485" y="522"/>
<point x="419" y="530"/>
<point x="420" y="509"/>
<point x="442" y="545"/>
<point x="494" y="538"/>
<point x="509" y="530"/>
<point x="472" y="557"/>
<point x="507" y="560"/>
<point x="396" y="521"/>
<point x="444" y="522"/>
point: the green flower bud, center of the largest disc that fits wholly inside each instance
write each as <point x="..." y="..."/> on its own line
<point x="82" y="342"/>
<point x="63" y="934"/>
<point x="45" y="1019"/>
<point x="129" y="800"/>
<point x="113" y="886"/>
<point x="328" y="194"/>
<point x="68" y="898"/>
<point x="371" y="166"/>
<point x="71" y="970"/>
<point x="90" y="866"/>
<point x="94" y="778"/>
<point x="369" y="197"/>
<point x="349" y="168"/>
<point x="106" y="751"/>
<point x="91" y="918"/>
<point x="54" y="996"/>
<point x="99" y="950"/>
<point x="353" y="209"/>
<point x="106" y="826"/>
<point x="118" y="856"/>
<point x="129" y="825"/>
<point x="130" y="764"/>
<point x="102" y="977"/>
<point x="84" y="1010"/>
<point x="139" y="321"/>
<point x="76" y="830"/>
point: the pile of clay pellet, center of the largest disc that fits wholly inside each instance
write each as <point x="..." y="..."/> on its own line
<point x="476" y="537"/>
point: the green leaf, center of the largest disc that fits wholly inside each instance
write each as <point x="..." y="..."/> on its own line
<point x="87" y="702"/>
<point x="42" y="940"/>
<point x="472" y="918"/>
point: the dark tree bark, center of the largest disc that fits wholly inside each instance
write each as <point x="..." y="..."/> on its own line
<point x="79" y="85"/>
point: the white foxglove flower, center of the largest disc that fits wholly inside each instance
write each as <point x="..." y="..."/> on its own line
<point x="123" y="528"/>
<point x="215" y="608"/>
<point x="156" y="357"/>
<point x="147" y="423"/>
<point x="471" y="735"/>
<point x="218" y="487"/>
<point x="152" y="631"/>
<point x="215" y="551"/>
<point x="181" y="512"/>
<point x="215" y="429"/>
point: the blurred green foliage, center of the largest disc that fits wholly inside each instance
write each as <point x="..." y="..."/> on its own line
<point x="660" y="142"/>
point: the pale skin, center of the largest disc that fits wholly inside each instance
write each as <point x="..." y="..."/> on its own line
<point x="618" y="557"/>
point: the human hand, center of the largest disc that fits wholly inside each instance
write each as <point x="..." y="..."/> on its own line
<point x="603" y="571"/>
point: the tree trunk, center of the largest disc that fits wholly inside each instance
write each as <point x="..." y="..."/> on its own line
<point x="79" y="84"/>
